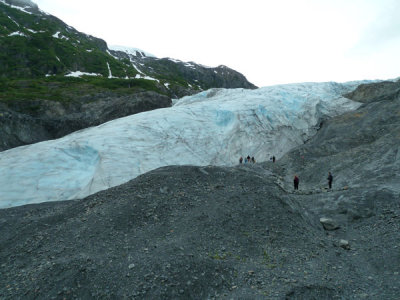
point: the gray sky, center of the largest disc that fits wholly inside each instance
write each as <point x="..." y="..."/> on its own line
<point x="269" y="41"/>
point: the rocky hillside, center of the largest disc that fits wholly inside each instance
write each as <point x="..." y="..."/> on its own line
<point x="222" y="233"/>
<point x="49" y="72"/>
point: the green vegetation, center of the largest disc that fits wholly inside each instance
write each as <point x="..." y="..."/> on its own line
<point x="64" y="89"/>
<point x="39" y="52"/>
<point x="47" y="46"/>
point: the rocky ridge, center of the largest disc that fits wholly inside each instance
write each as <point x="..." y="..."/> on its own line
<point x="222" y="233"/>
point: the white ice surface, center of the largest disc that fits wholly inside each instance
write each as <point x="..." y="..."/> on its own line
<point x="214" y="127"/>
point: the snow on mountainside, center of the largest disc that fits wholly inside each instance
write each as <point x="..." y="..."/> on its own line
<point x="22" y="5"/>
<point x="214" y="127"/>
<point x="130" y="50"/>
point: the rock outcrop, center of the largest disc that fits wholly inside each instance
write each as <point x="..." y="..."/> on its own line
<point x="373" y="92"/>
<point x="31" y="121"/>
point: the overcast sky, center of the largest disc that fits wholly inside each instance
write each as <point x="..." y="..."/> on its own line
<point x="270" y="42"/>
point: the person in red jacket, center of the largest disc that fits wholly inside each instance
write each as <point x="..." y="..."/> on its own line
<point x="296" y="181"/>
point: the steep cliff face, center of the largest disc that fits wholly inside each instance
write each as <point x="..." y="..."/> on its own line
<point x="31" y="121"/>
<point x="19" y="129"/>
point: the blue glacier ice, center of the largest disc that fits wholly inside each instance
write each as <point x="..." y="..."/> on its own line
<point x="214" y="127"/>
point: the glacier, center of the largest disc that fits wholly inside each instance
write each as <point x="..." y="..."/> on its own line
<point x="214" y="127"/>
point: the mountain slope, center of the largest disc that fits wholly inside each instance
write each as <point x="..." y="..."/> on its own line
<point x="34" y="44"/>
<point x="49" y="72"/>
<point x="213" y="127"/>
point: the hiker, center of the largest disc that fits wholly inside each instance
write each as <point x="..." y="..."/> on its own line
<point x="296" y="182"/>
<point x="273" y="159"/>
<point x="240" y="160"/>
<point x="330" y="179"/>
<point x="253" y="160"/>
<point x="248" y="158"/>
<point x="245" y="160"/>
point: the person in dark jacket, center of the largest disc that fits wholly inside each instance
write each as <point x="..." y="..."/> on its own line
<point x="330" y="179"/>
<point x="296" y="181"/>
<point x="240" y="160"/>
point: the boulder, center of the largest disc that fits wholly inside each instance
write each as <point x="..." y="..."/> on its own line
<point x="344" y="244"/>
<point x="328" y="223"/>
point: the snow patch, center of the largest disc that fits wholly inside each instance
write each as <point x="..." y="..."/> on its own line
<point x="17" y="33"/>
<point x="23" y="9"/>
<point x="13" y="21"/>
<point x="139" y="76"/>
<point x="190" y="65"/>
<point x="109" y="53"/>
<point x="136" y="68"/>
<point x="175" y="60"/>
<point x="109" y="71"/>
<point x="131" y="51"/>
<point x="58" y="35"/>
<point x="207" y="67"/>
<point x="79" y="74"/>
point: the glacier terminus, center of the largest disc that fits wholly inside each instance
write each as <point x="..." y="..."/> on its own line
<point x="214" y="127"/>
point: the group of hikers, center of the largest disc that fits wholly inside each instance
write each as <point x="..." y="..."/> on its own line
<point x="252" y="160"/>
<point x="247" y="160"/>
<point x="296" y="179"/>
